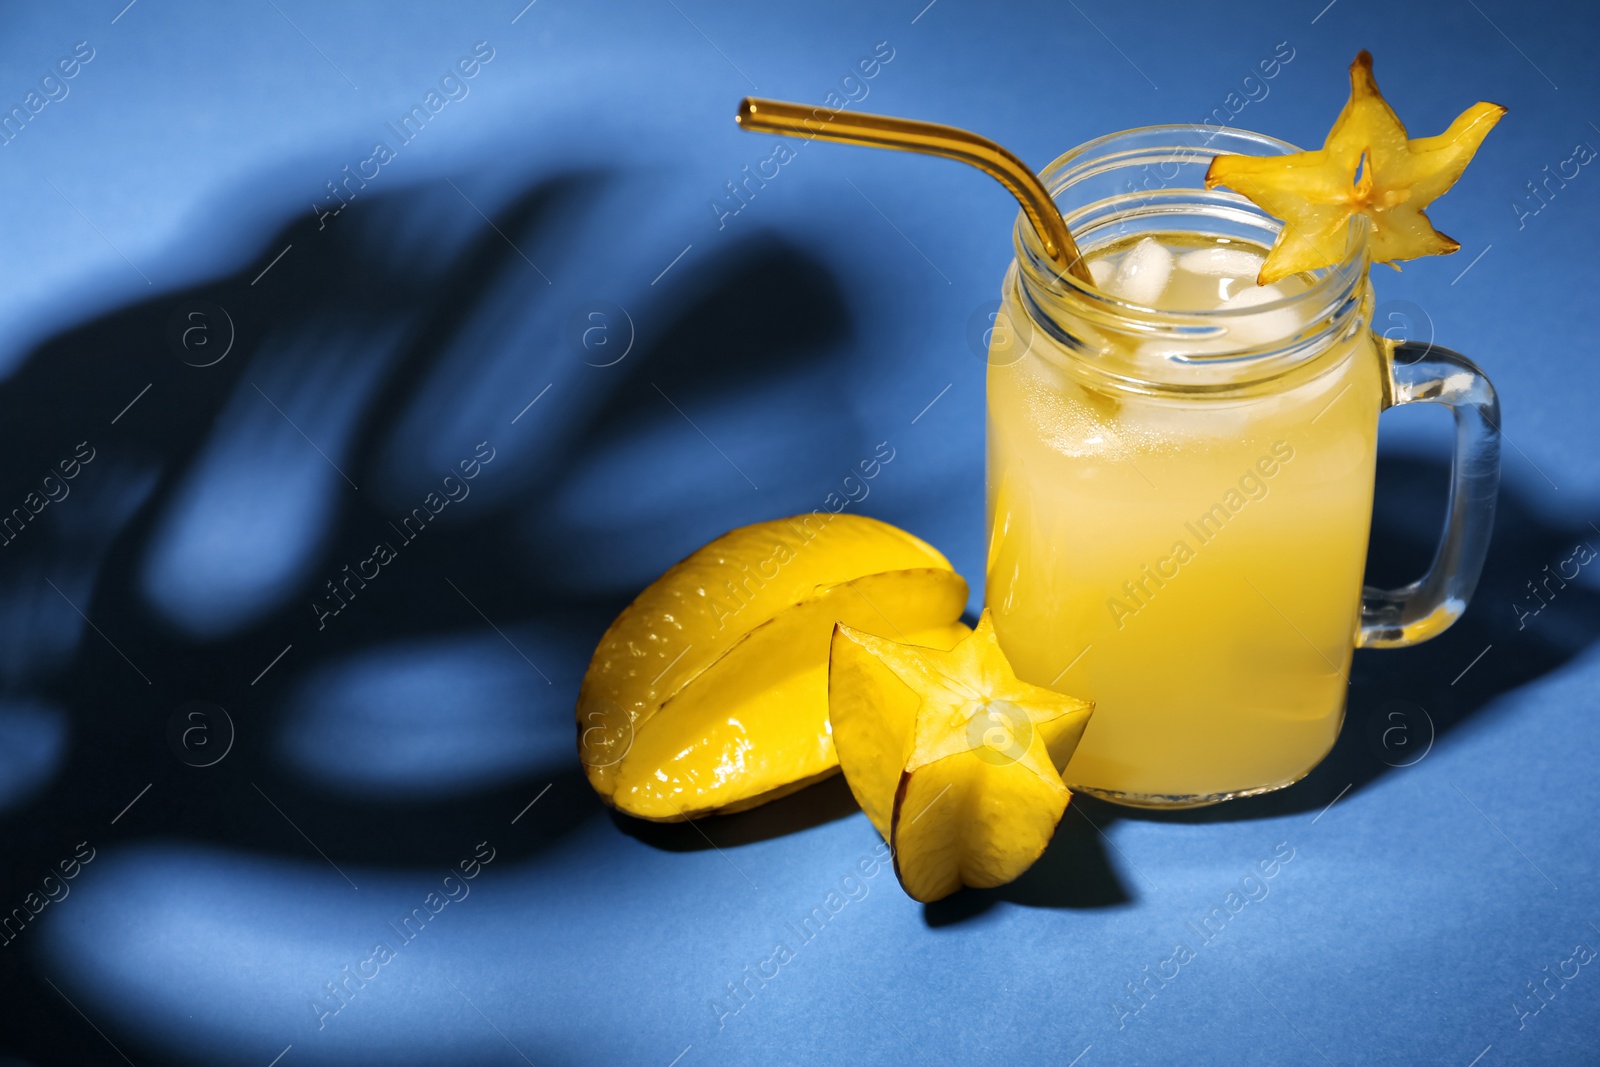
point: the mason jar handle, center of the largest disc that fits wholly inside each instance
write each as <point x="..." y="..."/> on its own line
<point x="1426" y="373"/>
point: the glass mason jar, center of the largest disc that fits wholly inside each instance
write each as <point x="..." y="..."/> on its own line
<point x="1178" y="513"/>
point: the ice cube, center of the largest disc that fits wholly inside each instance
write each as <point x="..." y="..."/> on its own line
<point x="1223" y="262"/>
<point x="1101" y="272"/>
<point x="1142" y="273"/>
<point x="1256" y="294"/>
<point x="1262" y="327"/>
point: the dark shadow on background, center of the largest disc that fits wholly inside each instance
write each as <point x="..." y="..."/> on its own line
<point x="116" y="719"/>
<point x="762" y="332"/>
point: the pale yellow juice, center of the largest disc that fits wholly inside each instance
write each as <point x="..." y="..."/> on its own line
<point x="1194" y="568"/>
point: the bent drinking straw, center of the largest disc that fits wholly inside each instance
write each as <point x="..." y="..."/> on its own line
<point x="885" y="131"/>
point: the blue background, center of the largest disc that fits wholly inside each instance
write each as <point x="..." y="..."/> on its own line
<point x="372" y="350"/>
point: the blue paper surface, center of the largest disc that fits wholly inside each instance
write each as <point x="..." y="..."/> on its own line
<point x="269" y="298"/>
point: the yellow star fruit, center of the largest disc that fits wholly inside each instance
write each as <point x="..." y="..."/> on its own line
<point x="709" y="693"/>
<point x="954" y="760"/>
<point x="1369" y="166"/>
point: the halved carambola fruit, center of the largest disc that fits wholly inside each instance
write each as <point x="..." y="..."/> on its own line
<point x="709" y="692"/>
<point x="954" y="760"/>
<point x="1368" y="165"/>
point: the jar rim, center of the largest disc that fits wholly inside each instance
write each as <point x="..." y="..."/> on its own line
<point x="1327" y="302"/>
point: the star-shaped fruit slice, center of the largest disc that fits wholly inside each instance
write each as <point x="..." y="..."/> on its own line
<point x="1369" y="166"/>
<point x="956" y="762"/>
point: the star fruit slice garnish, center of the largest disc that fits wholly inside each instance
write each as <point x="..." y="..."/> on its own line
<point x="954" y="760"/>
<point x="1368" y="165"/>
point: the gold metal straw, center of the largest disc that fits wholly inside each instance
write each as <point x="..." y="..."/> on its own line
<point x="884" y="131"/>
